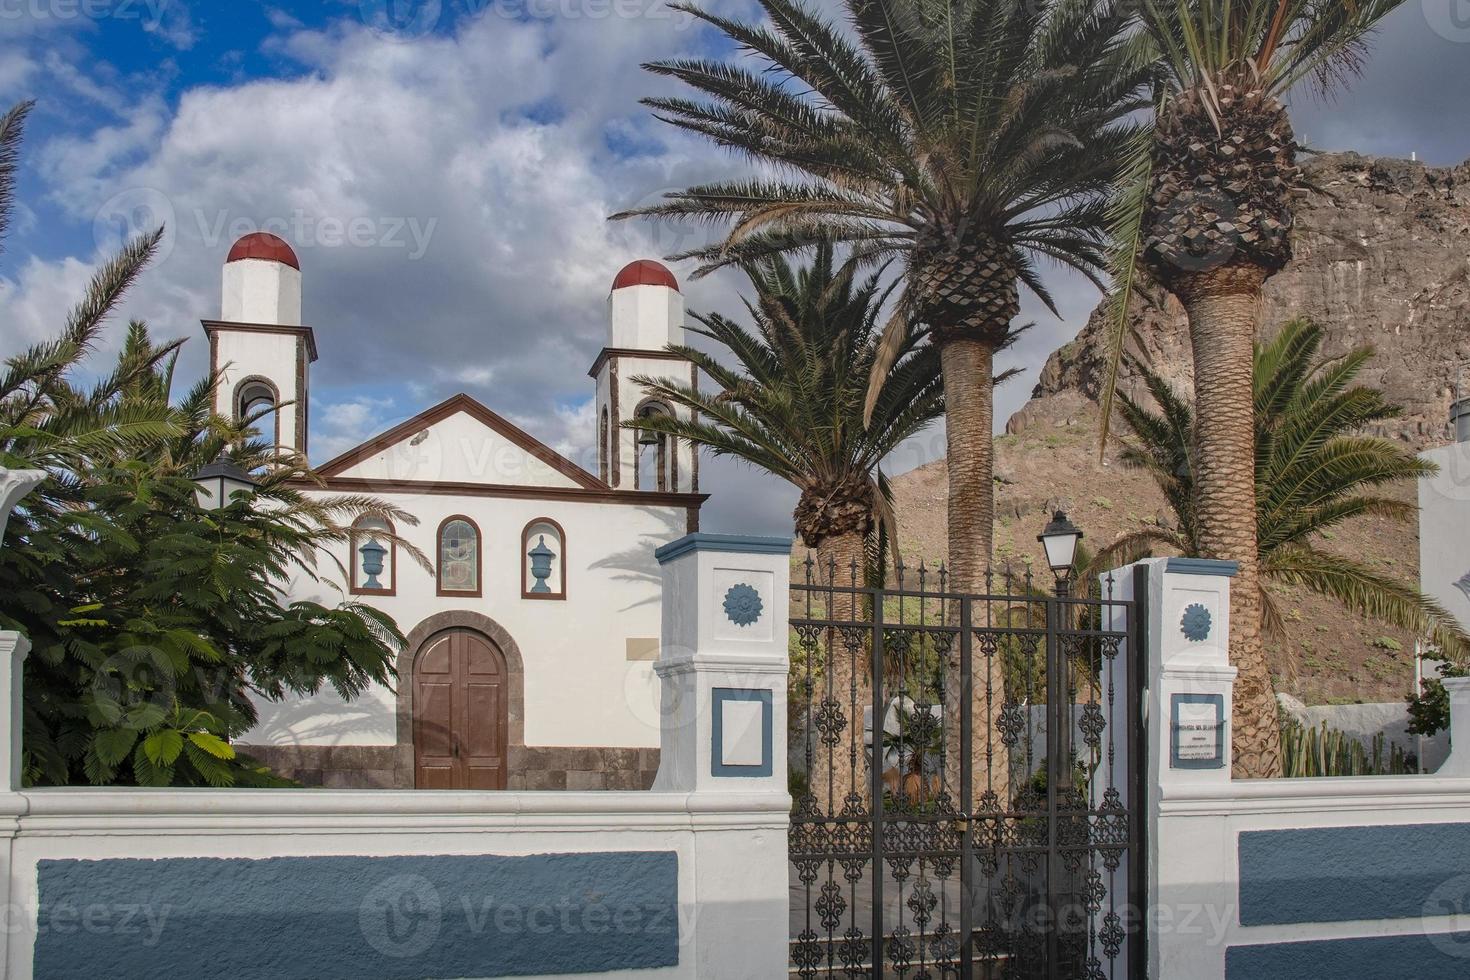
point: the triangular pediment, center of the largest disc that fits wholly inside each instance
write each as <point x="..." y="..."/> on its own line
<point x="460" y="441"/>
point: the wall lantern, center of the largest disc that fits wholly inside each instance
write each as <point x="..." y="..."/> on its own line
<point x="218" y="483"/>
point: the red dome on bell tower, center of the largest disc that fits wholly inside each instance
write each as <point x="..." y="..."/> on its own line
<point x="645" y="272"/>
<point x="263" y="245"/>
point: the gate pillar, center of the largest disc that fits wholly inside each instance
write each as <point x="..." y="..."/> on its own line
<point x="723" y="664"/>
<point x="1189" y="687"/>
<point x="14" y="484"/>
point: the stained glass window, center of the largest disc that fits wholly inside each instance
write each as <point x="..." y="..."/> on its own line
<point x="459" y="556"/>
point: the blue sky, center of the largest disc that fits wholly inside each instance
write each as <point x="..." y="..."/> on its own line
<point x="443" y="168"/>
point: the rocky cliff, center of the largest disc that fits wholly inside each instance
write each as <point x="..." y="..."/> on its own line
<point x="1382" y="258"/>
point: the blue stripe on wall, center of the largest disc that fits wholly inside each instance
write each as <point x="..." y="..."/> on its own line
<point x="349" y="918"/>
<point x="1341" y="874"/>
<point x="1442" y="957"/>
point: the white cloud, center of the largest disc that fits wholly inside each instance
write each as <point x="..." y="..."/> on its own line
<point x="339" y="426"/>
<point x="34" y="304"/>
<point x="505" y="146"/>
<point x="479" y="168"/>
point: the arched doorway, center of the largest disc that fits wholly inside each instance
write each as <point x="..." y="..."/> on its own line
<point x="460" y="711"/>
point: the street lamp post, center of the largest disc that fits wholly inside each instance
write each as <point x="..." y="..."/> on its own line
<point x="1060" y="538"/>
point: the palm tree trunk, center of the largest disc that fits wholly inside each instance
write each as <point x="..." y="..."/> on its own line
<point x="968" y="366"/>
<point x="1223" y="306"/>
<point x="839" y="776"/>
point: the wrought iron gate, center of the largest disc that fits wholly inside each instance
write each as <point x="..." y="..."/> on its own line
<point x="982" y="822"/>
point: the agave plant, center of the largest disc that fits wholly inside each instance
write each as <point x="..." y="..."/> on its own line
<point x="1206" y="203"/>
<point x="1315" y="470"/>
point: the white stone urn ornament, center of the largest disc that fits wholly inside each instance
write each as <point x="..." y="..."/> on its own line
<point x="15" y="484"/>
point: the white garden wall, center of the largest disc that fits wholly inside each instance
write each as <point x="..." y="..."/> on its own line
<point x="688" y="881"/>
<point x="375" y="884"/>
<point x="1364" y="877"/>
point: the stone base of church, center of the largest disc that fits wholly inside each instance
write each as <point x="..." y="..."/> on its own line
<point x="532" y="767"/>
<point x="549" y="767"/>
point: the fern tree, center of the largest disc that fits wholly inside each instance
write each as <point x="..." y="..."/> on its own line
<point x="1208" y="207"/>
<point x="1315" y="470"/>
<point x="154" y="623"/>
<point x="790" y="402"/>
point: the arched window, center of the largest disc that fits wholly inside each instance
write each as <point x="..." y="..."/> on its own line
<point x="459" y="557"/>
<point x="543" y="560"/>
<point x="373" y="557"/>
<point x="655" y="451"/>
<point x="255" y="396"/>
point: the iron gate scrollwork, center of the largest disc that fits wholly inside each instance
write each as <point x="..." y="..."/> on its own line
<point x="969" y="803"/>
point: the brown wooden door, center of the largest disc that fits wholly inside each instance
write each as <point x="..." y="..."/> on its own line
<point x="459" y="713"/>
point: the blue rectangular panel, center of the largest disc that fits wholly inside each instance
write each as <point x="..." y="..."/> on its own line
<point x="1216" y="759"/>
<point x="1341" y="874"/>
<point x="718" y="768"/>
<point x="1445" y="956"/>
<point x="349" y="918"/>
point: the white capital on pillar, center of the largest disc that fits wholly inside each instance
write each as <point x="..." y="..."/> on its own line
<point x="15" y="484"/>
<point x="723" y="664"/>
<point x="1458" y="764"/>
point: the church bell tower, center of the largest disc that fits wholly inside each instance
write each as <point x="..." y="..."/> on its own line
<point x="645" y="315"/>
<point x="259" y="344"/>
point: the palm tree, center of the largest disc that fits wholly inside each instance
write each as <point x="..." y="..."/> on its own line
<point x="1314" y="471"/>
<point x="1207" y="204"/>
<point x="972" y="139"/>
<point x="793" y="407"/>
<point x="43" y="421"/>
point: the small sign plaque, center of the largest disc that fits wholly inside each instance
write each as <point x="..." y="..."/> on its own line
<point x="1197" y="732"/>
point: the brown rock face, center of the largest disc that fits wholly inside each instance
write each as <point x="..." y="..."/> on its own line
<point x="1382" y="257"/>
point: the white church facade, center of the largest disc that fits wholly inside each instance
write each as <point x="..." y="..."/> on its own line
<point x="531" y="641"/>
